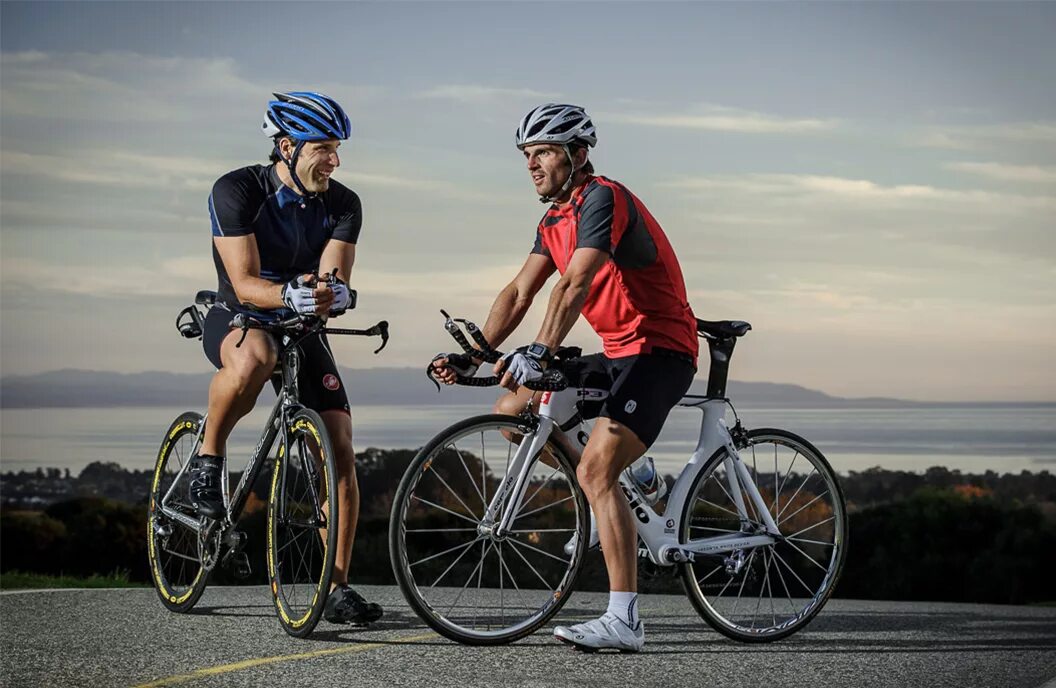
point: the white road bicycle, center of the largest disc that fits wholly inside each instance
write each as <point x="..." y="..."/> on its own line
<point x="489" y="527"/>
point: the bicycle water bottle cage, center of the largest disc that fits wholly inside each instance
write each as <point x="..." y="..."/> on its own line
<point x="189" y="322"/>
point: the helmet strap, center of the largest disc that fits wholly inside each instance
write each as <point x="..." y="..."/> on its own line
<point x="568" y="182"/>
<point x="291" y="165"/>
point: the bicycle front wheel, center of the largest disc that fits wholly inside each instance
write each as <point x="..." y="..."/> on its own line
<point x="172" y="544"/>
<point x="302" y="524"/>
<point x="766" y="593"/>
<point x="463" y="581"/>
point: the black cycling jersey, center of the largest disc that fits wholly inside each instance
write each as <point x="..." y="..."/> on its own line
<point x="290" y="238"/>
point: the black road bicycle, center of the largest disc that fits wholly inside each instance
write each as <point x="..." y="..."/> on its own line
<point x="302" y="503"/>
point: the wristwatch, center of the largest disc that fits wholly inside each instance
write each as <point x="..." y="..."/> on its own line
<point x="539" y="352"/>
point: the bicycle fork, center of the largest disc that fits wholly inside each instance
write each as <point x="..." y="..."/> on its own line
<point x="511" y="489"/>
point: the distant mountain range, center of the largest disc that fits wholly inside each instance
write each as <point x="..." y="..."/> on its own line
<point x="375" y="386"/>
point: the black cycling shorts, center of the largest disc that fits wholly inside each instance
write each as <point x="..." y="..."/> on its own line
<point x="642" y="389"/>
<point x="319" y="384"/>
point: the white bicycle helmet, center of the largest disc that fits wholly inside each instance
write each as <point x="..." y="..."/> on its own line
<point x="556" y="123"/>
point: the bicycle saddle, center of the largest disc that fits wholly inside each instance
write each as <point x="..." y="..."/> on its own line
<point x="723" y="329"/>
<point x="205" y="298"/>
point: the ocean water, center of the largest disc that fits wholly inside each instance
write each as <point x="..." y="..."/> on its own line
<point x="971" y="439"/>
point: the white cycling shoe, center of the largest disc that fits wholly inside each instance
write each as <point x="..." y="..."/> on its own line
<point x="570" y="546"/>
<point x="608" y="632"/>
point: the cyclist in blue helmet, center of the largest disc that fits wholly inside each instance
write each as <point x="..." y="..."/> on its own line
<point x="273" y="226"/>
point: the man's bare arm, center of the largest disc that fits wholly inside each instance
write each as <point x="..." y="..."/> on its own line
<point x="569" y="295"/>
<point x="241" y="259"/>
<point x="338" y="254"/>
<point x="513" y="301"/>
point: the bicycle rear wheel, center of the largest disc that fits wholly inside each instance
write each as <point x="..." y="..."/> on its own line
<point x="464" y="582"/>
<point x="172" y="545"/>
<point x="766" y="593"/>
<point x="302" y="524"/>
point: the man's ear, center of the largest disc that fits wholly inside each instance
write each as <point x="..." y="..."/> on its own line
<point x="579" y="157"/>
<point x="286" y="147"/>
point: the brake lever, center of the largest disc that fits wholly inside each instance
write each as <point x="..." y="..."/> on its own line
<point x="241" y="322"/>
<point x="429" y="374"/>
<point x="383" y="330"/>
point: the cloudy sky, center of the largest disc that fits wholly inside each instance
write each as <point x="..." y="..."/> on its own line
<point x="872" y="186"/>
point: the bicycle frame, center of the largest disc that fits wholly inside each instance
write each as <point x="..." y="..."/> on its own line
<point x="658" y="532"/>
<point x="285" y="406"/>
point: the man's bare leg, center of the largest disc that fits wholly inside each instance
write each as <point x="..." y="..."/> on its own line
<point x="234" y="389"/>
<point x="339" y="427"/>
<point x="612" y="448"/>
<point x="232" y="393"/>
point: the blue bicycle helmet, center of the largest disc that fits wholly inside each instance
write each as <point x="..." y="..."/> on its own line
<point x="306" y="116"/>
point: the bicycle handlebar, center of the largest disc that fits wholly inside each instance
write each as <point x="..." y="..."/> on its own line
<point x="553" y="380"/>
<point x="305" y="325"/>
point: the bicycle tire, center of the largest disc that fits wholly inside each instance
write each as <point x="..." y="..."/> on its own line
<point x="302" y="525"/>
<point x="721" y="621"/>
<point x="551" y="600"/>
<point x="170" y="544"/>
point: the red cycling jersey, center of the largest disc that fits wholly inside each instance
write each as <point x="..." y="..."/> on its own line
<point x="637" y="301"/>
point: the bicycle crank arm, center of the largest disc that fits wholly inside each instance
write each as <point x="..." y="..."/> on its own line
<point x="692" y="551"/>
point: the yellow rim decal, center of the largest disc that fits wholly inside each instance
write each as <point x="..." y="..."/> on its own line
<point x="159" y="580"/>
<point x="303" y="425"/>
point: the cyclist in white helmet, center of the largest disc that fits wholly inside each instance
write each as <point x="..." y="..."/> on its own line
<point x="273" y="226"/>
<point x="619" y="270"/>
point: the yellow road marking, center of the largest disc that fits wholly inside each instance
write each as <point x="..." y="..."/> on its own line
<point x="262" y="661"/>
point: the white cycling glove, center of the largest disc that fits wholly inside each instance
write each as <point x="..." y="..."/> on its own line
<point x="344" y="298"/>
<point x="522" y="368"/>
<point x="298" y="296"/>
<point x="460" y="363"/>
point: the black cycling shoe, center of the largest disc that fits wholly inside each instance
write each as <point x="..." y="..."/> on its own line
<point x="345" y="605"/>
<point x="207" y="496"/>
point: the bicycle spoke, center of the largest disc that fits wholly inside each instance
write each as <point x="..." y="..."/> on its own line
<point x="758" y="602"/>
<point x="793" y="572"/>
<point x="788" y="473"/>
<point x="777" y="494"/>
<point x="452" y="565"/>
<point x="537" y="490"/>
<point x="520" y="594"/>
<point x="468" y="580"/>
<point x="179" y="555"/>
<point x="437" y="506"/>
<point x="781" y="577"/>
<point x="813" y="470"/>
<point x="440" y="530"/>
<point x="535" y="511"/>
<point x="542" y="530"/>
<point x="468" y="474"/>
<point x="732" y="513"/>
<point x="813" y="542"/>
<point x="728" y="496"/>
<point x="819" y="523"/>
<point x="446" y="551"/>
<point x="744" y="579"/>
<point x="808" y="557"/>
<point x="802" y="507"/>
<point x="534" y="570"/>
<point x="713" y="572"/>
<point x="543" y="552"/>
<point x="439" y="477"/>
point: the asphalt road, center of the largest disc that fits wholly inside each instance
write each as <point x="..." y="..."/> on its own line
<point x="99" y="638"/>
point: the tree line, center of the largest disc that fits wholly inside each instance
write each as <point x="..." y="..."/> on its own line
<point x="941" y="535"/>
